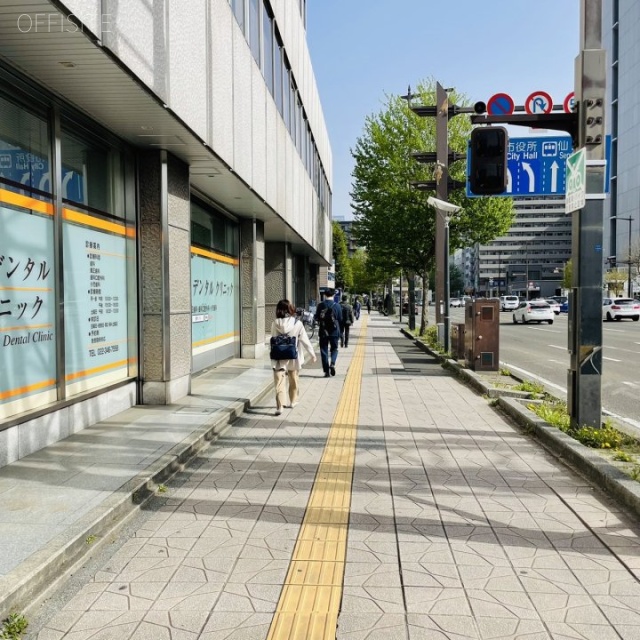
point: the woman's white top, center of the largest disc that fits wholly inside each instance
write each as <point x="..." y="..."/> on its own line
<point x="292" y="327"/>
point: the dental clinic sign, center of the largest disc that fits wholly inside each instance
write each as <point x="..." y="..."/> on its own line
<point x="576" y="178"/>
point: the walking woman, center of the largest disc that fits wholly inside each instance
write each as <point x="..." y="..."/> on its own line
<point x="286" y="323"/>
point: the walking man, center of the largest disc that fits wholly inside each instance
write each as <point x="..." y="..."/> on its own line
<point x="347" y="321"/>
<point x="329" y="319"/>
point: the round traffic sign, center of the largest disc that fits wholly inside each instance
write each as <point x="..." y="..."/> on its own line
<point x="538" y="102"/>
<point x="500" y="104"/>
<point x="569" y="102"/>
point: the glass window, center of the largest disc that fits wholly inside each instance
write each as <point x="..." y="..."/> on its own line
<point x="278" y="70"/>
<point x="24" y="149"/>
<point x="92" y="175"/>
<point x="98" y="249"/>
<point x="239" y="12"/>
<point x="286" y="96"/>
<point x="254" y="29"/>
<point x="215" y="277"/>
<point x="267" y="44"/>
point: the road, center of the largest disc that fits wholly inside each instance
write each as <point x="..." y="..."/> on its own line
<point x="541" y="350"/>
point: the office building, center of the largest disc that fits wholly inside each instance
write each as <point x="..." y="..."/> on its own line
<point x="165" y="179"/>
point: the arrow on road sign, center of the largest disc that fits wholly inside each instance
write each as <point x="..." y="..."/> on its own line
<point x="554" y="176"/>
<point x="532" y="176"/>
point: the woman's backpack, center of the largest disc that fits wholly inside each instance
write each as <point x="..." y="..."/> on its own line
<point x="283" y="347"/>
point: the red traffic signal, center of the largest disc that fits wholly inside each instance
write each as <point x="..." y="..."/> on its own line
<point x="488" y="161"/>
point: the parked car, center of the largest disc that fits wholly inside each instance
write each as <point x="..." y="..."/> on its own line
<point x="533" y="311"/>
<point x="455" y="302"/>
<point x="618" y="308"/>
<point x="554" y="304"/>
<point x="564" y="306"/>
<point x="509" y="303"/>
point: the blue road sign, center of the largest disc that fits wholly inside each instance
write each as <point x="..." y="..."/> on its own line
<point x="537" y="166"/>
<point x="500" y="104"/>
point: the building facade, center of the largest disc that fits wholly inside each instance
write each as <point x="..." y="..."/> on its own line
<point x="529" y="260"/>
<point x="621" y="37"/>
<point x="165" y="179"/>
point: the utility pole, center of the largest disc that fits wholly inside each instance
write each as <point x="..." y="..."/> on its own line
<point x="442" y="193"/>
<point x="585" y="307"/>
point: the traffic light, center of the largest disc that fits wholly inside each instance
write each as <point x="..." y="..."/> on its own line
<point x="488" y="161"/>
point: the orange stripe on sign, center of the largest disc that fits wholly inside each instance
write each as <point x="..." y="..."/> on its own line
<point x="90" y="372"/>
<point x="224" y="336"/>
<point x="26" y="202"/>
<point x="27" y="327"/>
<point x="22" y="390"/>
<point x="90" y="221"/>
<point x="25" y="289"/>
<point x="214" y="256"/>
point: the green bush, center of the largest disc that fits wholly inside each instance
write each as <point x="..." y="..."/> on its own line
<point x="13" y="627"/>
<point x="605" y="437"/>
<point x="534" y="388"/>
<point x="431" y="336"/>
<point x="555" y="413"/>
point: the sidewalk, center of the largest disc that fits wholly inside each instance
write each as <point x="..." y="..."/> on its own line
<point x="392" y="502"/>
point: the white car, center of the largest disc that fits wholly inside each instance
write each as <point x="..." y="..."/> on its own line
<point x="455" y="302"/>
<point x="618" y="308"/>
<point x="509" y="303"/>
<point x="555" y="305"/>
<point x="533" y="311"/>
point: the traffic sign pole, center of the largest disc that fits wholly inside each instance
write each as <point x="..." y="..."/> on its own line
<point x="585" y="307"/>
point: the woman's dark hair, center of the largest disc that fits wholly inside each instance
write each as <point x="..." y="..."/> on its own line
<point x="284" y="309"/>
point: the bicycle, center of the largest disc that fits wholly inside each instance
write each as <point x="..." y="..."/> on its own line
<point x="308" y="321"/>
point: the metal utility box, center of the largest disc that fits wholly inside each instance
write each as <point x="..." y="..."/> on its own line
<point x="482" y="335"/>
<point x="457" y="341"/>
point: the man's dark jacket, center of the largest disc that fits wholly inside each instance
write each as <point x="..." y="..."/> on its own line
<point x="337" y="312"/>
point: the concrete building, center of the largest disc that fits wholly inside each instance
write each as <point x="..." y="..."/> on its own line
<point x="530" y="258"/>
<point x="621" y="37"/>
<point x="165" y="179"/>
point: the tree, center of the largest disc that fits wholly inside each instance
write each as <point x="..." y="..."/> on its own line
<point x="393" y="220"/>
<point x="567" y="275"/>
<point x="344" y="276"/>
<point x="456" y="280"/>
<point x="366" y="277"/>
<point x="616" y="279"/>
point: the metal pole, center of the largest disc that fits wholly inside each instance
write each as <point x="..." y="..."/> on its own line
<point x="447" y="302"/>
<point x="629" y="292"/>
<point x="400" y="318"/>
<point x="499" y="270"/>
<point x="442" y="180"/>
<point x="526" y="257"/>
<point x="585" y="320"/>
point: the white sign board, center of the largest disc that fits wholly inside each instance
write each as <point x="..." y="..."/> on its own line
<point x="576" y="181"/>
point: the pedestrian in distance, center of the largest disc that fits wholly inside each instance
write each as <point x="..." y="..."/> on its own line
<point x="369" y="305"/>
<point x="347" y="321"/>
<point x="288" y="337"/>
<point x="357" y="307"/>
<point x="329" y="319"/>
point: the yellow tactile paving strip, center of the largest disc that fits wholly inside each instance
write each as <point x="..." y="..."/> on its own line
<point x="310" y="600"/>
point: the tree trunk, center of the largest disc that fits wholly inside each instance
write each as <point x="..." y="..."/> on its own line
<point x="411" y="286"/>
<point x="425" y="303"/>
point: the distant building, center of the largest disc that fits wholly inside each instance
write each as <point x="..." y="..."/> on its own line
<point x="529" y="260"/>
<point x="347" y="227"/>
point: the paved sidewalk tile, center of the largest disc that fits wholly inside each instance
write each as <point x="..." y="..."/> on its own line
<point x="460" y="526"/>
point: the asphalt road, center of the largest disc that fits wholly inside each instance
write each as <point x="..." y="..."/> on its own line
<point x="540" y="351"/>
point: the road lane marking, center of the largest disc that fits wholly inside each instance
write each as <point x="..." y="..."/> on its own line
<point x="555" y="346"/>
<point x="611" y="359"/>
<point x="630" y="384"/>
<point x="548" y="383"/>
<point x="625" y="350"/>
<point x="310" y="600"/>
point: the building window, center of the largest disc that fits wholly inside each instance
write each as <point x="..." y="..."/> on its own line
<point x="267" y="44"/>
<point x="278" y="68"/>
<point x="215" y="277"/>
<point x="99" y="250"/>
<point x="239" y="13"/>
<point x="254" y="29"/>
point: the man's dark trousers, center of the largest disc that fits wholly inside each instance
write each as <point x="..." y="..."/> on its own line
<point x="326" y="343"/>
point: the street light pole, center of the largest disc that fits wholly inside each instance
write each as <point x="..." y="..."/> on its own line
<point x="629" y="220"/>
<point x="445" y="210"/>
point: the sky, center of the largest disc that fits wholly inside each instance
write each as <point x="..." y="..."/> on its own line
<point x="362" y="50"/>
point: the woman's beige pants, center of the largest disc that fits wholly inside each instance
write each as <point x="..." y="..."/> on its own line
<point x="280" y="378"/>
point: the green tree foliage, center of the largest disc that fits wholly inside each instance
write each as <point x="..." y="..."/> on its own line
<point x="456" y="280"/>
<point x="567" y="275"/>
<point x="366" y="277"/>
<point x="344" y="276"/>
<point x="393" y="220"/>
